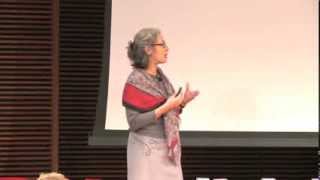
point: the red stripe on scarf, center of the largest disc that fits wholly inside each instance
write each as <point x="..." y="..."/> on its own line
<point x="139" y="99"/>
<point x="173" y="143"/>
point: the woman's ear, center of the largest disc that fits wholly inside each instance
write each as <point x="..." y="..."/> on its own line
<point x="148" y="50"/>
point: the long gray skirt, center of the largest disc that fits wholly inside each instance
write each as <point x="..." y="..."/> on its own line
<point x="147" y="159"/>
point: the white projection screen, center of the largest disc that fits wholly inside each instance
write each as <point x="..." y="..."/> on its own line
<point x="255" y="63"/>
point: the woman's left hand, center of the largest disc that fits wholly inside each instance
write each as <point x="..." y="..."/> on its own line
<point x="189" y="95"/>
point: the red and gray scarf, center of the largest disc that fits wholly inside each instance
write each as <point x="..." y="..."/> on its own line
<point x="143" y="93"/>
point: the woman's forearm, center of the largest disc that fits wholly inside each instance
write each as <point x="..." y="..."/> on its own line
<point x="161" y="110"/>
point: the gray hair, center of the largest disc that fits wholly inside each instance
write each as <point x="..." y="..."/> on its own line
<point x="136" y="53"/>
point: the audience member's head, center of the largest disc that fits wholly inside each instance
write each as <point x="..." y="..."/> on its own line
<point x="52" y="176"/>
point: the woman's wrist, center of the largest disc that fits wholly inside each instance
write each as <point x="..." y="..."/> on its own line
<point x="158" y="112"/>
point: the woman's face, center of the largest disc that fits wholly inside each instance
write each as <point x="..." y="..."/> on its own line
<point x="159" y="51"/>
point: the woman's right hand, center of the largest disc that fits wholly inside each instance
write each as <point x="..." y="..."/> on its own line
<point x="172" y="102"/>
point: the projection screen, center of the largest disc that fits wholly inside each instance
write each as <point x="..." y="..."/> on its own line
<point x="255" y="63"/>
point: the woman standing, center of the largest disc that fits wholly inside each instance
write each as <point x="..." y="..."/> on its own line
<point x="152" y="109"/>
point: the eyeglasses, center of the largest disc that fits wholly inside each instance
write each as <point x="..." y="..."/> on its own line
<point x="164" y="45"/>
